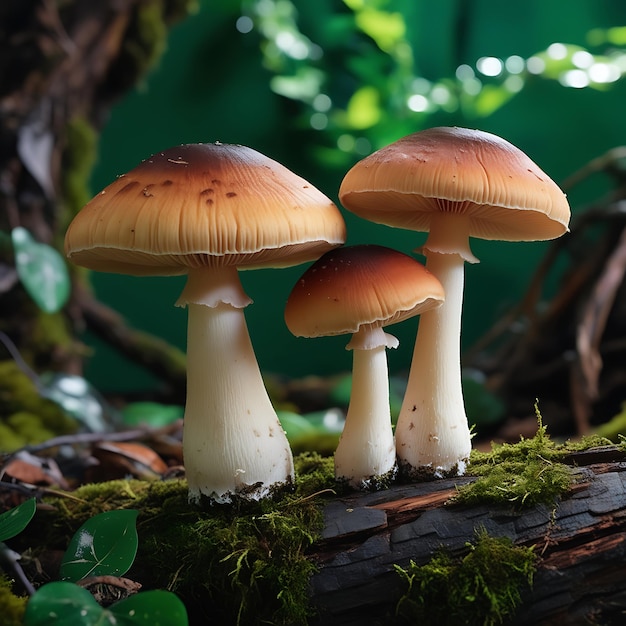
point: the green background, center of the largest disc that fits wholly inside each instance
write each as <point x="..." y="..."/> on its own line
<point x="211" y="85"/>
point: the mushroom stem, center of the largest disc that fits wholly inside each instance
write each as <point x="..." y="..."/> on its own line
<point x="233" y="443"/>
<point x="366" y="451"/>
<point x="432" y="434"/>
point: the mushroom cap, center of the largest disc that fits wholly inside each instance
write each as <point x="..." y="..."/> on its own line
<point x="505" y="194"/>
<point x="201" y="205"/>
<point x="354" y="287"/>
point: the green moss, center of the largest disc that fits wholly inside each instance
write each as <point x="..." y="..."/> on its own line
<point x="79" y="157"/>
<point x="148" y="35"/>
<point x="50" y="334"/>
<point x="525" y="473"/>
<point x="25" y="416"/>
<point x="230" y="565"/>
<point x="483" y="587"/>
<point x="29" y="426"/>
<point x="314" y="473"/>
<point x="178" y="9"/>
<point x="145" y="40"/>
<point x="12" y="607"/>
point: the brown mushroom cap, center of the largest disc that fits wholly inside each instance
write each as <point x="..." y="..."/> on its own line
<point x="505" y="194"/>
<point x="354" y="287"/>
<point x="204" y="204"/>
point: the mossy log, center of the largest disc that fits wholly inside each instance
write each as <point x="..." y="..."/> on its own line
<point x="579" y="543"/>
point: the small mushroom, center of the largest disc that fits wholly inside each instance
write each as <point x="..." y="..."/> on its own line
<point x="360" y="290"/>
<point x="207" y="210"/>
<point x="455" y="184"/>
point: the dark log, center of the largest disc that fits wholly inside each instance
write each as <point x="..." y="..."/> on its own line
<point x="580" y="542"/>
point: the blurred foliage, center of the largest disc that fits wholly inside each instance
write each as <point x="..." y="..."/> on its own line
<point x="25" y="416"/>
<point x="377" y="92"/>
<point x="42" y="271"/>
<point x="318" y="85"/>
<point x="615" y="427"/>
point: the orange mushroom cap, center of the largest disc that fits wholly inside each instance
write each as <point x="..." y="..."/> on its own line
<point x="204" y="204"/>
<point x="354" y="287"/>
<point x="456" y="170"/>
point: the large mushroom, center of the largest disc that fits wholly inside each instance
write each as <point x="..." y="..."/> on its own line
<point x="207" y="210"/>
<point x="359" y="290"/>
<point x="455" y="184"/>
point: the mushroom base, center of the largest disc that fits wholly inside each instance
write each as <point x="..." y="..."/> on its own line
<point x="243" y="495"/>
<point x="409" y="473"/>
<point x="371" y="483"/>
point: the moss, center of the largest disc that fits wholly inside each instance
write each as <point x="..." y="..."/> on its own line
<point x="483" y="587"/>
<point x="314" y="473"/>
<point x="148" y="36"/>
<point x="146" y="39"/>
<point x="178" y="9"/>
<point x="79" y="157"/>
<point x="12" y="607"/>
<point x="230" y="565"/>
<point x="25" y="416"/>
<point x="29" y="426"/>
<point x="50" y="342"/>
<point x="525" y="473"/>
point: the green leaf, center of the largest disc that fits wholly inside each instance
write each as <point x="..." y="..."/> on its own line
<point x="364" y="108"/>
<point x="151" y="608"/>
<point x="79" y="398"/>
<point x="295" y="425"/>
<point x="13" y="522"/>
<point x="329" y="421"/>
<point x="386" y="29"/>
<point x="490" y="99"/>
<point x="304" y="85"/>
<point x="65" y="604"/>
<point x="152" y="413"/>
<point x="104" y="545"/>
<point x="42" y="271"/>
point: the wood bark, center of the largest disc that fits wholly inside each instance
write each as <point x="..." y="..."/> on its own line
<point x="580" y="542"/>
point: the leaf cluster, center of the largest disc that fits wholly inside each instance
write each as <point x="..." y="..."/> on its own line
<point x="105" y="545"/>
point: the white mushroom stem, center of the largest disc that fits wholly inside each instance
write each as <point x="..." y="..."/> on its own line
<point x="233" y="443"/>
<point x="366" y="450"/>
<point x="432" y="434"/>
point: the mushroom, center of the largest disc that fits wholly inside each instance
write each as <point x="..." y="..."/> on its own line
<point x="207" y="210"/>
<point x="360" y="290"/>
<point x="454" y="183"/>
